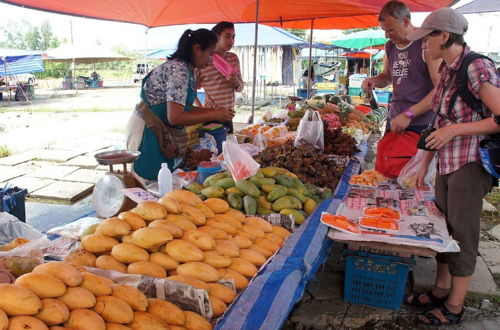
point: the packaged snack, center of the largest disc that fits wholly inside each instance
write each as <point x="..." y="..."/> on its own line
<point x="383" y="212"/>
<point x="379" y="223"/>
<point x="341" y="223"/>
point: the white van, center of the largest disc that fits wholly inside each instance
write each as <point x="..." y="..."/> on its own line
<point x="141" y="70"/>
<point x="23" y="78"/>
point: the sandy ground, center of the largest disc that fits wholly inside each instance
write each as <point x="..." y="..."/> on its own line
<point x="61" y="115"/>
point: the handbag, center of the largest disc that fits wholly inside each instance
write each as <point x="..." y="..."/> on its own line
<point x="172" y="141"/>
<point x="394" y="151"/>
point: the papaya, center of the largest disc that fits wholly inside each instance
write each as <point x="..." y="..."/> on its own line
<point x="225" y="183"/>
<point x="235" y="201"/>
<point x="284" y="180"/>
<point x="250" y="205"/>
<point x="213" y="192"/>
<point x="248" y="188"/>
<point x="297" y="194"/>
<point x="299" y="217"/>
<point x="277" y="193"/>
<point x="286" y="202"/>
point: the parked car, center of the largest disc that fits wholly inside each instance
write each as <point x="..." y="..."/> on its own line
<point x="142" y="69"/>
<point x="23" y="78"/>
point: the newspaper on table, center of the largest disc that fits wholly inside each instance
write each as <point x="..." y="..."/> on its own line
<point x="421" y="224"/>
<point x="74" y="229"/>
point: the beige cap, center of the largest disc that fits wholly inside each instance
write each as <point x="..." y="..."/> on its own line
<point x="445" y="20"/>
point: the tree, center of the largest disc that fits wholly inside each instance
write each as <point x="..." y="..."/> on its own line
<point x="349" y="31"/>
<point x="33" y="38"/>
<point x="299" y="33"/>
<point x="47" y="37"/>
<point x="23" y="35"/>
<point x="14" y="35"/>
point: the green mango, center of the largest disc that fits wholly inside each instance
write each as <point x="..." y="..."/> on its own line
<point x="213" y="192"/>
<point x="248" y="188"/>
<point x="264" y="203"/>
<point x="284" y="180"/>
<point x="277" y="193"/>
<point x="267" y="188"/>
<point x="250" y="205"/>
<point x="261" y="210"/>
<point x="297" y="184"/>
<point x="194" y="187"/>
<point x="286" y="202"/>
<point x="316" y="198"/>
<point x="235" y="201"/>
<point x="312" y="189"/>
<point x="269" y="172"/>
<point x="202" y="197"/>
<point x="225" y="183"/>
<point x="297" y="194"/>
<point x="261" y="181"/>
<point x="299" y="217"/>
<point x="234" y="190"/>
<point x="214" y="177"/>
<point x="259" y="174"/>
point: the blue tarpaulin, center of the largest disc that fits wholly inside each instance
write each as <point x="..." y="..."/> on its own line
<point x="480" y="6"/>
<point x="19" y="61"/>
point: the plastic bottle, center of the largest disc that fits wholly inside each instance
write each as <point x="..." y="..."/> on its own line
<point x="164" y="180"/>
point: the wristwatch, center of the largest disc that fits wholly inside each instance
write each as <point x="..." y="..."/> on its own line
<point x="497" y="119"/>
<point x="409" y="113"/>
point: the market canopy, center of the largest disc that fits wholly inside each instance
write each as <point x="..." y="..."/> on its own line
<point x="18" y="61"/>
<point x="362" y="39"/>
<point x="327" y="14"/>
<point x="480" y="6"/>
<point x="83" y="54"/>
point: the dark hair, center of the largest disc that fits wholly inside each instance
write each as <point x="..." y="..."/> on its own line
<point x="396" y="9"/>
<point x="452" y="39"/>
<point x="205" y="38"/>
<point x="221" y="26"/>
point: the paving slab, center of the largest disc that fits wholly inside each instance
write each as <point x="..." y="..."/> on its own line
<point x="7" y="172"/>
<point x="17" y="158"/>
<point x="32" y="184"/>
<point x="53" y="172"/>
<point x="83" y="162"/>
<point x="57" y="155"/>
<point x="358" y="316"/>
<point x="63" y="191"/>
<point x="85" y="175"/>
<point x="319" y="315"/>
<point x="490" y="253"/>
<point x="495" y="231"/>
<point x="425" y="273"/>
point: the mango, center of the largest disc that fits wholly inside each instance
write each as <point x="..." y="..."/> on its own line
<point x="261" y="210"/>
<point x="281" y="232"/>
<point x="267" y="188"/>
<point x="196" y="321"/>
<point x="235" y="191"/>
<point x="297" y="194"/>
<point x="199" y="270"/>
<point x="277" y="193"/>
<point x="205" y="210"/>
<point x="17" y="300"/>
<point x="248" y="188"/>
<point x="81" y="318"/>
<point x="213" y="192"/>
<point x="184" y="197"/>
<point x="264" y="203"/>
<point x="238" y="215"/>
<point x="264" y="225"/>
<point x="327" y="193"/>
<point x="147" y="268"/>
<point x="225" y="183"/>
<point x="269" y="172"/>
<point x="193" y="214"/>
<point x="235" y="201"/>
<point x="261" y="181"/>
<point x="167" y="311"/>
<point x="250" y="205"/>
<point x="287" y="202"/>
<point x="299" y="217"/>
<point x="217" y="205"/>
<point x="132" y="296"/>
<point x="297" y="184"/>
<point x="214" y="177"/>
<point x="194" y="187"/>
<point x="222" y="292"/>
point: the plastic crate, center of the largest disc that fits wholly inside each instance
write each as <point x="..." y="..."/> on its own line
<point x="383" y="96"/>
<point x="12" y="201"/>
<point x="354" y="91"/>
<point x="374" y="279"/>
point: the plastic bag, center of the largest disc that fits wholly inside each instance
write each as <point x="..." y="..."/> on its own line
<point x="239" y="162"/>
<point x="408" y="176"/>
<point x="310" y="131"/>
<point x="207" y="142"/>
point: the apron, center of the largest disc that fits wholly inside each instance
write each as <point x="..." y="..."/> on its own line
<point x="149" y="163"/>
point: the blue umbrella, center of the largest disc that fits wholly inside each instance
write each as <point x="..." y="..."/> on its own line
<point x="362" y="39"/>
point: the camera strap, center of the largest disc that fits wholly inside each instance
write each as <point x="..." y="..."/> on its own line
<point x="441" y="98"/>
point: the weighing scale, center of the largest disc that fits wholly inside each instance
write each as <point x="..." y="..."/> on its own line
<point x="108" y="198"/>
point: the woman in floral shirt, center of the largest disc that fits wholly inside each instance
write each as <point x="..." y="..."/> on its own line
<point x="169" y="91"/>
<point x="461" y="180"/>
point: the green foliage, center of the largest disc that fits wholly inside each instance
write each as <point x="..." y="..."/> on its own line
<point x="4" y="151"/>
<point x="33" y="38"/>
<point x="299" y="33"/>
<point x="24" y="35"/>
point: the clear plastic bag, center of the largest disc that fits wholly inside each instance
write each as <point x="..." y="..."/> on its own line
<point x="408" y="176"/>
<point x="310" y="131"/>
<point x="238" y="160"/>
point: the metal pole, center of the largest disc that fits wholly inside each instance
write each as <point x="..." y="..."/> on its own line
<point x="309" y="82"/>
<point x="255" y="59"/>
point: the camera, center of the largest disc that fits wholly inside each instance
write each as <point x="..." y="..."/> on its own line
<point x="421" y="141"/>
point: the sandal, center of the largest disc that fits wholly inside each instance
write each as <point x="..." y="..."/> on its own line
<point x="434" y="301"/>
<point x="434" y="320"/>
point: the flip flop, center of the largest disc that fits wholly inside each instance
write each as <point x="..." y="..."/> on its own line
<point x="452" y="318"/>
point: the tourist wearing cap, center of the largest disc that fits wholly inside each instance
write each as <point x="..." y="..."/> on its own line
<point x="412" y="74"/>
<point x="461" y="181"/>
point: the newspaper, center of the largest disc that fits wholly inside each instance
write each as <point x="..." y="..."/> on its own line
<point x="422" y="224"/>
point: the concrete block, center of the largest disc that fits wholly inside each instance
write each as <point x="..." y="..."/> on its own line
<point x="85" y="175"/>
<point x="32" y="184"/>
<point x="7" y="173"/>
<point x="17" y="158"/>
<point x="83" y="162"/>
<point x="59" y="156"/>
<point x="53" y="172"/>
<point x="495" y="231"/>
<point x="62" y="191"/>
<point x="489" y="252"/>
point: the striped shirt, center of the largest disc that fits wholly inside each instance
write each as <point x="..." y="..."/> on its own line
<point x="219" y="92"/>
<point x="462" y="149"/>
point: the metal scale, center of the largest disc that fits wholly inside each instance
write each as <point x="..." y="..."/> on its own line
<point x="108" y="198"/>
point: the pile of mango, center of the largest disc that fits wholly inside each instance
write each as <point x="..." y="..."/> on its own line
<point x="271" y="190"/>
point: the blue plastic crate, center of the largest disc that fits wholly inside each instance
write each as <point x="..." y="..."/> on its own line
<point x="374" y="279"/>
<point x="383" y="96"/>
<point x="12" y="201"/>
<point x="355" y="91"/>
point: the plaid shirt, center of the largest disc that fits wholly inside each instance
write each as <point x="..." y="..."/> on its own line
<point x="462" y="149"/>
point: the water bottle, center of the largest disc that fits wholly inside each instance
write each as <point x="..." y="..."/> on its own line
<point x="164" y="180"/>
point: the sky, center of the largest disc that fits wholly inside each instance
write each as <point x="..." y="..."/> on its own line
<point x="482" y="29"/>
